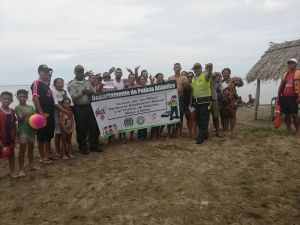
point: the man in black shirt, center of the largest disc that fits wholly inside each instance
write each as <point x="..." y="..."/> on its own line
<point x="44" y="105"/>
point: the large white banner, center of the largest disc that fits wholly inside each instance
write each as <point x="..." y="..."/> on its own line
<point x="136" y="108"/>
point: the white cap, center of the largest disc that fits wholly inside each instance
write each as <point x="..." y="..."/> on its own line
<point x="293" y="60"/>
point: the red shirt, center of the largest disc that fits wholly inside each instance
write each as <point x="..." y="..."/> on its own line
<point x="288" y="89"/>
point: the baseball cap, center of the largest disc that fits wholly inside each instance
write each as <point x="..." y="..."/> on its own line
<point x="293" y="60"/>
<point x="44" y="68"/>
<point x="196" y="66"/>
<point x="78" y="67"/>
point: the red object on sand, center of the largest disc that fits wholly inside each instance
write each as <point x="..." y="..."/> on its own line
<point x="277" y="116"/>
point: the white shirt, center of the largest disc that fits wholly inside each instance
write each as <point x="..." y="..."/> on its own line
<point x="119" y="86"/>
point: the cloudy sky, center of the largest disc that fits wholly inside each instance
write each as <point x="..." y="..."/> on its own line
<point x="155" y="34"/>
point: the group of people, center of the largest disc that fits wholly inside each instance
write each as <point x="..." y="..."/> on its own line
<point x="200" y="94"/>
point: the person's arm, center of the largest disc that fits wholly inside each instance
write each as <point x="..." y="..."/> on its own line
<point x="20" y="116"/>
<point x="37" y="105"/>
<point x="208" y="71"/>
<point x="16" y="129"/>
<point x="63" y="110"/>
<point x="74" y="95"/>
<point x="136" y="72"/>
<point x="240" y="82"/>
<point x="72" y="119"/>
<point x="191" y="98"/>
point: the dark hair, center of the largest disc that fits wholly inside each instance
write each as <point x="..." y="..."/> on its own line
<point x="22" y="92"/>
<point x="191" y="73"/>
<point x="91" y="76"/>
<point x="63" y="101"/>
<point x="227" y="70"/>
<point x="156" y="76"/>
<point x="143" y="72"/>
<point x="99" y="79"/>
<point x="184" y="72"/>
<point x="118" y="69"/>
<point x="177" y="64"/>
<point x="6" y="93"/>
<point x="131" y="74"/>
<point x="56" y="80"/>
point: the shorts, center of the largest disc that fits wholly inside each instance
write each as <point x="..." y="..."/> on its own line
<point x="57" y="125"/>
<point x="25" y="138"/>
<point x="47" y="132"/>
<point x="289" y="105"/>
<point x="214" y="109"/>
<point x="57" y="128"/>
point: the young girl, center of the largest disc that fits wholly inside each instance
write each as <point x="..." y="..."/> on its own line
<point x="67" y="126"/>
<point x="59" y="94"/>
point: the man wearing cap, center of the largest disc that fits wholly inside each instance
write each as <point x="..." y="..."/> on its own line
<point x="79" y="90"/>
<point x="201" y="98"/>
<point x="289" y="95"/>
<point x="44" y="105"/>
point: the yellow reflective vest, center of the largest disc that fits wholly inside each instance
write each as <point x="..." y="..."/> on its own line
<point x="201" y="89"/>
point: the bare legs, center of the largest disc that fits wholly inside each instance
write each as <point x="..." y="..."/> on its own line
<point x="296" y="123"/>
<point x="44" y="150"/>
<point x="66" y="140"/>
<point x="30" y="158"/>
<point x="57" y="139"/>
<point x="11" y="161"/>
<point x="177" y="126"/>
<point x="229" y="114"/>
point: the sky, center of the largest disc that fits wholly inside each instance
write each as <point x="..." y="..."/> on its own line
<point x="154" y="34"/>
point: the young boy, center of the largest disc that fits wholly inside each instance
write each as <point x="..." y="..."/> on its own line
<point x="26" y="133"/>
<point x="8" y="129"/>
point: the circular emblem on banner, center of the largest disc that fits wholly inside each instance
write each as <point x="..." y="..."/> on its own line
<point x="128" y="122"/>
<point x="140" y="120"/>
<point x="152" y="116"/>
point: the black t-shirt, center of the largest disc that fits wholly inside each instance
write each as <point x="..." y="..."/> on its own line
<point x="42" y="90"/>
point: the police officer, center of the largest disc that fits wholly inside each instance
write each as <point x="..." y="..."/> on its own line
<point x="79" y="90"/>
<point x="202" y="98"/>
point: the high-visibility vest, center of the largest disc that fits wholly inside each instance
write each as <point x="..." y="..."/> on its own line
<point x="296" y="80"/>
<point x="173" y="103"/>
<point x="201" y="89"/>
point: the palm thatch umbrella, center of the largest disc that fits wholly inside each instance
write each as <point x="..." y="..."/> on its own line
<point x="273" y="64"/>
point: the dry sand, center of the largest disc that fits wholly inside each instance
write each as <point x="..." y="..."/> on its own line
<point x="250" y="178"/>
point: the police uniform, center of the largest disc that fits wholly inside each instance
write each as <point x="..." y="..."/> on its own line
<point x="84" y="116"/>
<point x="202" y="102"/>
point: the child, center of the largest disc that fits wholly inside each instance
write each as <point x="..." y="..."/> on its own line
<point x="26" y="133"/>
<point x="8" y="129"/>
<point x="58" y="95"/>
<point x="67" y="126"/>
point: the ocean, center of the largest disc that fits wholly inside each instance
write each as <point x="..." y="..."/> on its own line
<point x="267" y="92"/>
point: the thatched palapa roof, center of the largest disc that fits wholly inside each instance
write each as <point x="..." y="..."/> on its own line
<point x="272" y="64"/>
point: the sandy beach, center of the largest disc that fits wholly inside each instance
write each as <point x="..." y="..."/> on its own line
<point x="250" y="178"/>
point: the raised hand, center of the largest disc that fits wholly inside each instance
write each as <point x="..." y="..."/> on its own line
<point x="98" y="75"/>
<point x="137" y="67"/>
<point x="111" y="70"/>
<point x="88" y="73"/>
<point x="129" y="70"/>
<point x="152" y="79"/>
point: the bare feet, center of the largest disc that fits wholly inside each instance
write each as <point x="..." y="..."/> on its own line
<point x="297" y="136"/>
<point x="13" y="175"/>
<point x="168" y="137"/>
<point x="33" y="167"/>
<point x="71" y="156"/>
<point x="22" y="173"/>
<point x="124" y="140"/>
<point x="177" y="135"/>
<point x="65" y="157"/>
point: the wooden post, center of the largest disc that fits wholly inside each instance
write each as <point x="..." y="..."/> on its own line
<point x="257" y="98"/>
